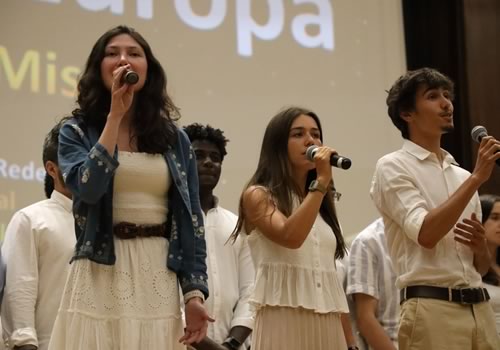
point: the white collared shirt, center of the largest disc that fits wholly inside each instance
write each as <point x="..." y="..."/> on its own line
<point x="39" y="243"/>
<point x="406" y="185"/>
<point x="230" y="275"/>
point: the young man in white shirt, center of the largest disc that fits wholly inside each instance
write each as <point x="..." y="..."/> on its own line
<point x="229" y="265"/>
<point x="431" y="213"/>
<point x="38" y="246"/>
<point x="371" y="284"/>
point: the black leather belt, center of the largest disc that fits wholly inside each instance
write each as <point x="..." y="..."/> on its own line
<point x="461" y="296"/>
<point x="127" y="230"/>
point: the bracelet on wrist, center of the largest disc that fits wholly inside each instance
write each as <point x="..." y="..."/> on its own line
<point x="194" y="294"/>
<point x="316" y="186"/>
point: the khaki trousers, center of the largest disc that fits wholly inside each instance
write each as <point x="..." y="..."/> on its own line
<point x="431" y="324"/>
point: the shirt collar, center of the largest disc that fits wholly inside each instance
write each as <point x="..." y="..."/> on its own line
<point x="421" y="153"/>
<point x="211" y="210"/>
<point x="216" y="205"/>
<point x="64" y="201"/>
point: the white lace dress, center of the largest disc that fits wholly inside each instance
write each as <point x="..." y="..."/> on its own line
<point x="134" y="304"/>
<point x="298" y="298"/>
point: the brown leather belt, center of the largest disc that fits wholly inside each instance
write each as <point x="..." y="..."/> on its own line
<point x="461" y="296"/>
<point x="128" y="230"/>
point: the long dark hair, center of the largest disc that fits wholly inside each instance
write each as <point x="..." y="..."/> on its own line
<point x="274" y="173"/>
<point x="487" y="203"/>
<point x="153" y="123"/>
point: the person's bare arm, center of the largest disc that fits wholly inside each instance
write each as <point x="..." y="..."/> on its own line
<point x="371" y="330"/>
<point x="348" y="333"/>
<point x="440" y="220"/>
<point x="290" y="232"/>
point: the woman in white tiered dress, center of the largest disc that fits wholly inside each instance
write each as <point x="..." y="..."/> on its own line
<point x="294" y="236"/>
<point x="137" y="214"/>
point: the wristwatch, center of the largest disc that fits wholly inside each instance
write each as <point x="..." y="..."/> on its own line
<point x="317" y="186"/>
<point x="232" y="343"/>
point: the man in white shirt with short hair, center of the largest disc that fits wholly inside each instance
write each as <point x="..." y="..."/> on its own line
<point x="229" y="264"/>
<point x="38" y="246"/>
<point x="432" y="214"/>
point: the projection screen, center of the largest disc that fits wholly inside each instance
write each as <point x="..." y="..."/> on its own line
<point x="230" y="63"/>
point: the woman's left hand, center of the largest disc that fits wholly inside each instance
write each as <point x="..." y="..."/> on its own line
<point x="197" y="320"/>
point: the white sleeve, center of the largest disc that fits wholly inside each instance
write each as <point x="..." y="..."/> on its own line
<point x="20" y="255"/>
<point x="396" y="196"/>
<point x="243" y="315"/>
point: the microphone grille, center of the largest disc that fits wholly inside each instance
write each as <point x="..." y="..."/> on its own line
<point x="310" y="152"/>
<point x="478" y="132"/>
<point x="131" y="77"/>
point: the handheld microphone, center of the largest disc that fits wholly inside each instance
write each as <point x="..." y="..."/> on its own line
<point x="477" y="134"/>
<point x="130" y="77"/>
<point x="335" y="160"/>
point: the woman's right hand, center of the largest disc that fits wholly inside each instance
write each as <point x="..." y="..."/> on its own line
<point x="323" y="167"/>
<point x="122" y="94"/>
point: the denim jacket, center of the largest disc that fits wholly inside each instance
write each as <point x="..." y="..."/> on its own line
<point x="88" y="171"/>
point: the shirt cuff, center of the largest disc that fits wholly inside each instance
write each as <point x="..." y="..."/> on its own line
<point x="243" y="321"/>
<point x="361" y="289"/>
<point x="23" y="336"/>
<point x="102" y="154"/>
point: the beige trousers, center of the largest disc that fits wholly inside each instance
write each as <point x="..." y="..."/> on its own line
<point x="431" y="324"/>
<point x="286" y="328"/>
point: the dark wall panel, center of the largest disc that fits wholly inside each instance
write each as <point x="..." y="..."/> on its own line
<point x="482" y="43"/>
<point x="461" y="39"/>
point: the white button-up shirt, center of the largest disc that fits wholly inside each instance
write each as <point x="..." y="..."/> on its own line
<point x="230" y="275"/>
<point x="39" y="243"/>
<point x="406" y="185"/>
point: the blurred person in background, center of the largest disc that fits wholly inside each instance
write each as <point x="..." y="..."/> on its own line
<point x="39" y="243"/>
<point x="490" y="205"/>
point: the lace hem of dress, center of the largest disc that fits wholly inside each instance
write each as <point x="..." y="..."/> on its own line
<point x="77" y="331"/>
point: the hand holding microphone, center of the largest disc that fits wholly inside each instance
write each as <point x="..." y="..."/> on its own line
<point x="129" y="77"/>
<point x="335" y="160"/>
<point x="478" y="133"/>
<point x="122" y="91"/>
